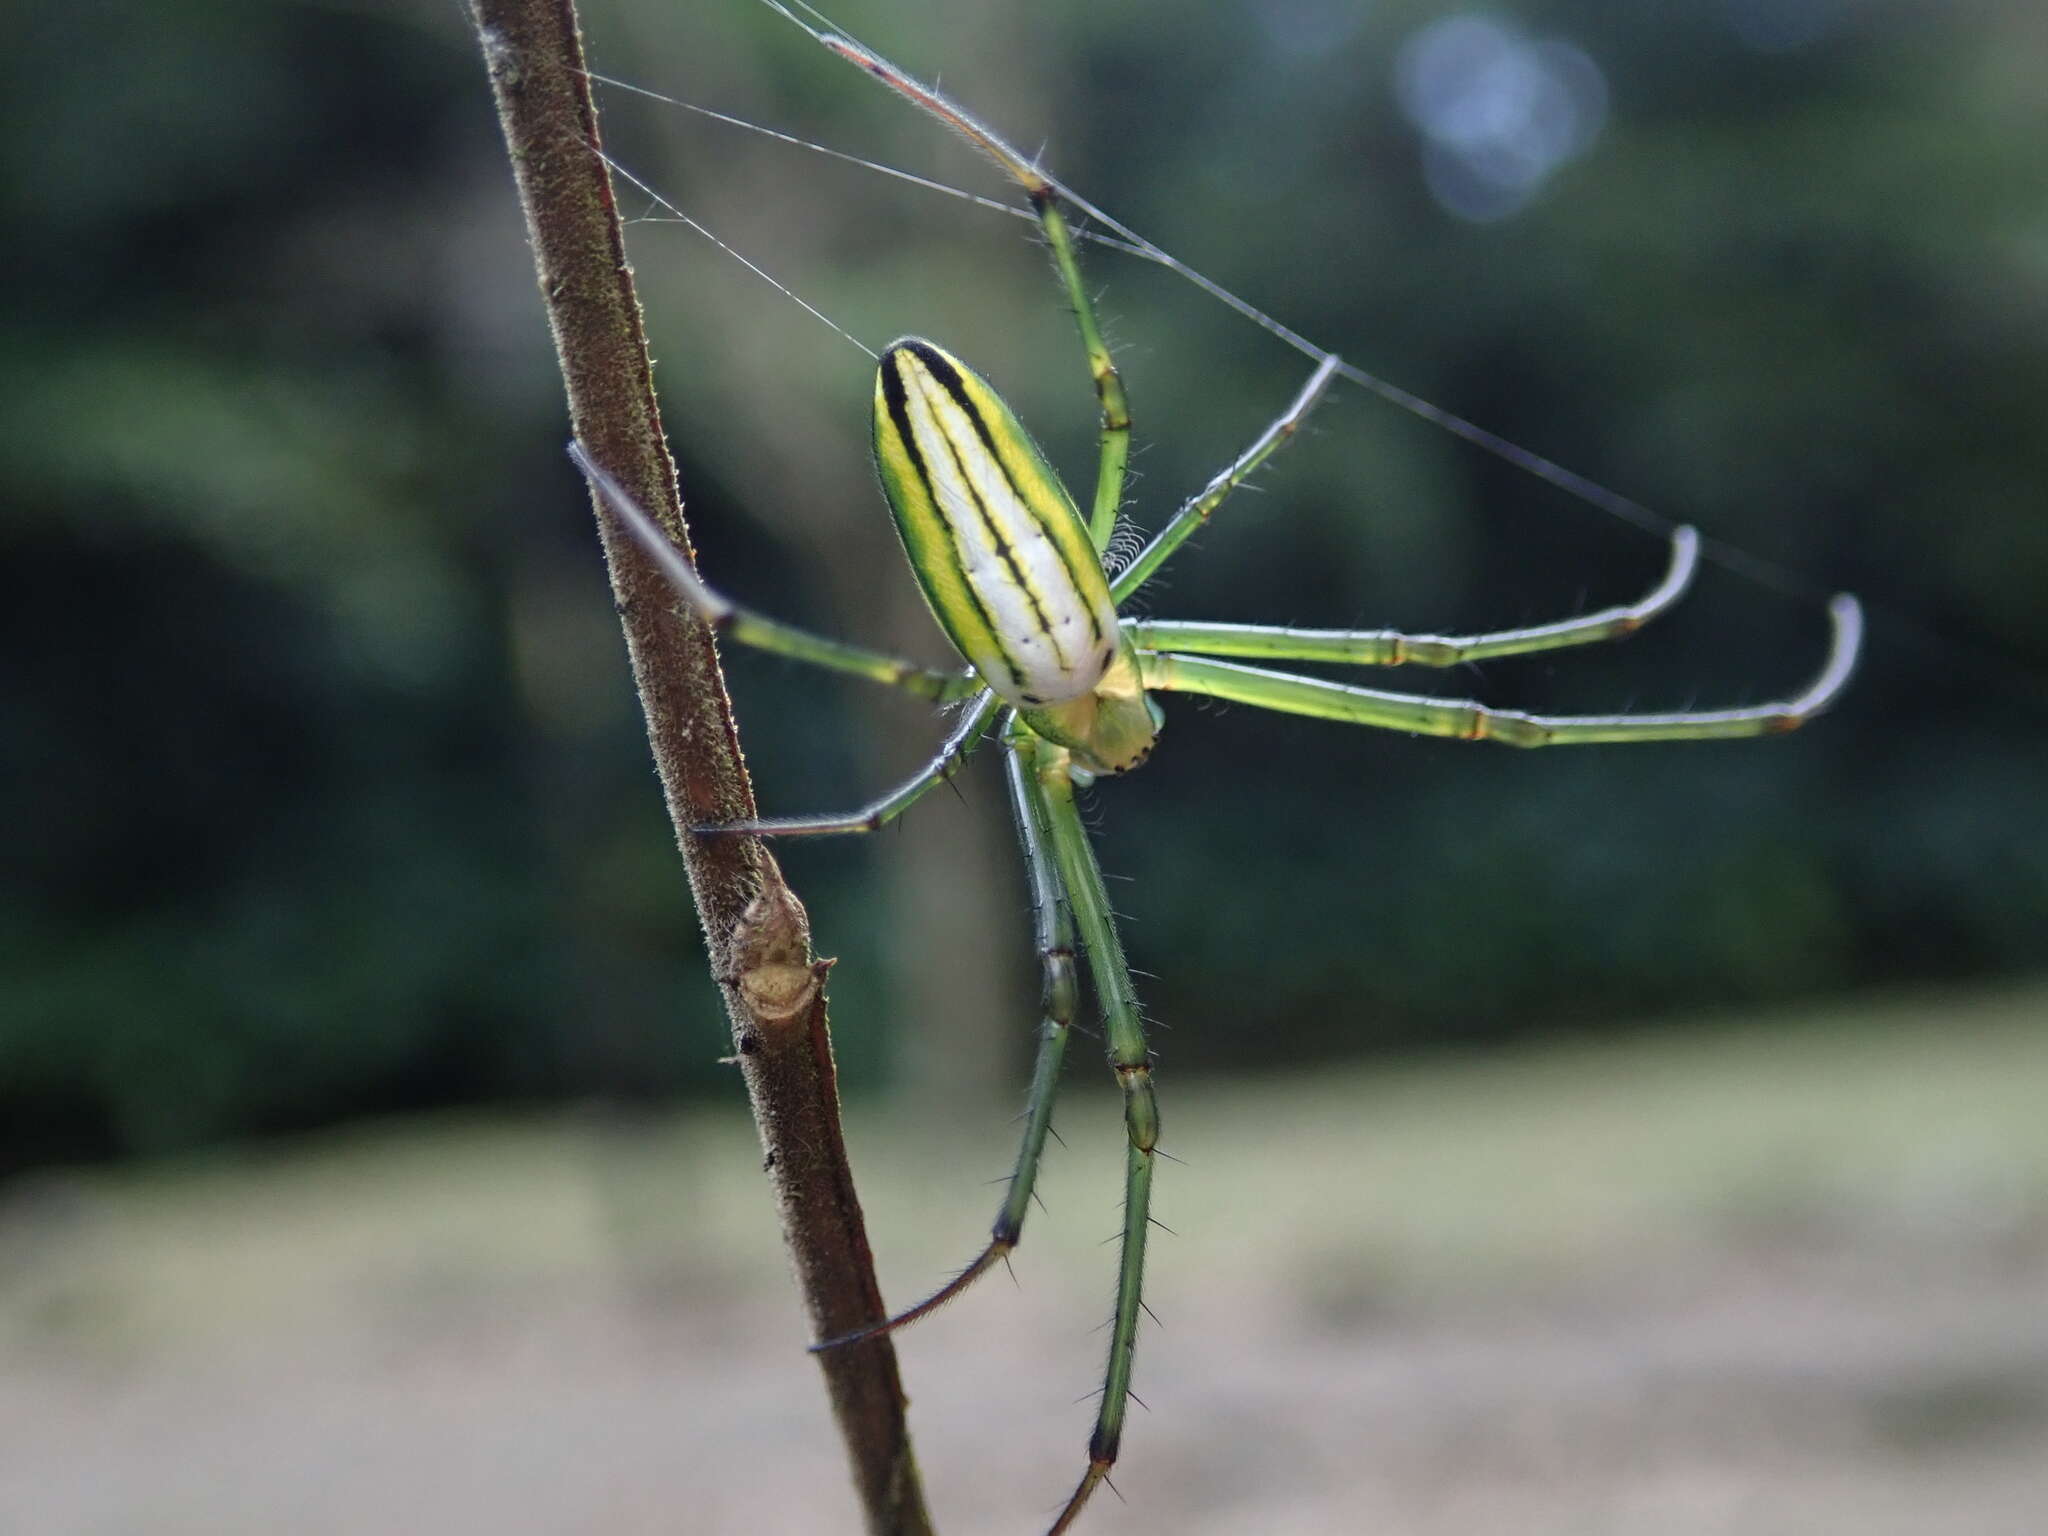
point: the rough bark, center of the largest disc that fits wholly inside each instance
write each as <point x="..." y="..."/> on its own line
<point x="754" y="925"/>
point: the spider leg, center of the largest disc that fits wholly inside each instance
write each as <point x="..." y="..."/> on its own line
<point x="1390" y="648"/>
<point x="959" y="746"/>
<point x="1052" y="787"/>
<point x="1475" y="722"/>
<point x="1044" y="193"/>
<point x="1279" y="432"/>
<point x="750" y="628"/>
<point x="1114" y="455"/>
<point x="1053" y="923"/>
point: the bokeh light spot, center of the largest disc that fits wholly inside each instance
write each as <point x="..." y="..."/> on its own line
<point x="1499" y="111"/>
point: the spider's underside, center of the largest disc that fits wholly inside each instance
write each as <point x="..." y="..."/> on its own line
<point x="1014" y="575"/>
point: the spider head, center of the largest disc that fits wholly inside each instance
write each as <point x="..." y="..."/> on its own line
<point x="1111" y="728"/>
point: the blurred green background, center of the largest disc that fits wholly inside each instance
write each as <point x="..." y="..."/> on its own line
<point x="1618" y="1139"/>
<point x="326" y="791"/>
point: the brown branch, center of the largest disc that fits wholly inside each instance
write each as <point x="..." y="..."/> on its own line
<point x="754" y="925"/>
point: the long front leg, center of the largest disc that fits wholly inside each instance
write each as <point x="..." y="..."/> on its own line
<point x="756" y="629"/>
<point x="1472" y="721"/>
<point x="1390" y="648"/>
<point x="1131" y="1059"/>
<point x="1461" y="717"/>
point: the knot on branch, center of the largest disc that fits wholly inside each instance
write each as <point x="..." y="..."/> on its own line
<point x="773" y="971"/>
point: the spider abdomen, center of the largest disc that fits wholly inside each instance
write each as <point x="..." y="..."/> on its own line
<point x="999" y="550"/>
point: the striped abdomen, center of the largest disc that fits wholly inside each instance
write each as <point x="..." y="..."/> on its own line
<point x="1003" y="557"/>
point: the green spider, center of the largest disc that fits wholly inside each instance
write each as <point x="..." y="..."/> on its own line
<point x="1016" y="578"/>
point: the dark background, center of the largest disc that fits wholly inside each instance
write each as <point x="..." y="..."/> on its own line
<point x="325" y="793"/>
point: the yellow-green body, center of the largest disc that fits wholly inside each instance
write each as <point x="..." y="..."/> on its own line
<point x="1004" y="559"/>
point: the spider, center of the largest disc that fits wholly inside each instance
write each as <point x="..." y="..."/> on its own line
<point x="1018" y="579"/>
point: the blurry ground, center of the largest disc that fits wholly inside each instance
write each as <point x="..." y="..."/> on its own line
<point x="1790" y="1276"/>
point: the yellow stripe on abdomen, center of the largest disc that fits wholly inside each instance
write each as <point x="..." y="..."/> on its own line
<point x="997" y="544"/>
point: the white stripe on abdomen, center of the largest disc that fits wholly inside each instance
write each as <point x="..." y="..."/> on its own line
<point x="1054" y="647"/>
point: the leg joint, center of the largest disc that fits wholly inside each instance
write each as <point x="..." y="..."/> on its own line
<point x="1061" y="992"/>
<point x="1141" y="1106"/>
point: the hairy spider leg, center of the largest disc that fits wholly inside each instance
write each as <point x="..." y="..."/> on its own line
<point x="1051" y="782"/>
<point x="1195" y="512"/>
<point x="1053" y="928"/>
<point x="1391" y="648"/>
<point x="1471" y="721"/>
<point x="726" y="617"/>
